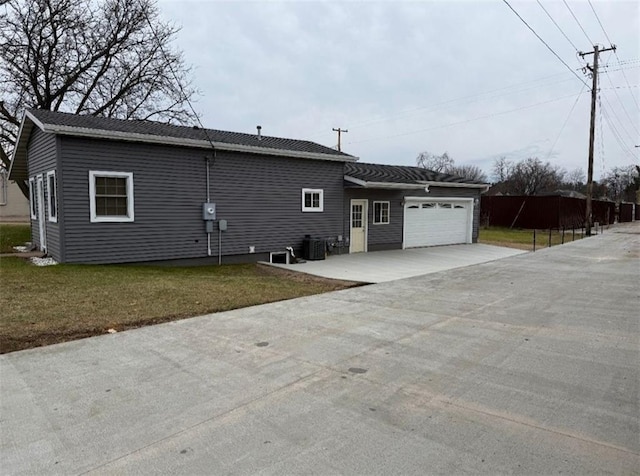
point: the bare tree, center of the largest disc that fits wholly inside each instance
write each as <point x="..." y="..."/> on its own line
<point x="531" y="176"/>
<point x="527" y="177"/>
<point x="437" y="163"/>
<point x="622" y="183"/>
<point x="501" y="170"/>
<point x="576" y="178"/>
<point x="470" y="172"/>
<point x="106" y="58"/>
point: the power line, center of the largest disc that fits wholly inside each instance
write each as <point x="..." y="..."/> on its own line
<point x="462" y="122"/>
<point x="615" y="90"/>
<point x="545" y="43"/>
<point x="557" y="26"/>
<point x="575" y="103"/>
<point x="577" y="21"/>
<point x="615" y="52"/>
<point x="616" y="135"/>
<point x="620" y="123"/>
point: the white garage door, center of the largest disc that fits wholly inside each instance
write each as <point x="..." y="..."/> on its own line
<point x="431" y="223"/>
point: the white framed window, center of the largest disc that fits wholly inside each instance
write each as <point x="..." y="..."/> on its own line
<point x="381" y="213"/>
<point x="52" y="196"/>
<point x="111" y="196"/>
<point x="312" y="200"/>
<point x="32" y="198"/>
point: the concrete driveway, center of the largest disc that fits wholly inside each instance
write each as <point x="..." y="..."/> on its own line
<point x="383" y="266"/>
<point x="527" y="365"/>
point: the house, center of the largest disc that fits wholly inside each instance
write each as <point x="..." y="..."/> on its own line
<point x="14" y="207"/>
<point x="113" y="191"/>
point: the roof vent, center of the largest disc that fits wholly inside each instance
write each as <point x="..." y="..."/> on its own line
<point x="259" y="132"/>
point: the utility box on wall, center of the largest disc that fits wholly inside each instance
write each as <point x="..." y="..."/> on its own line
<point x="208" y="211"/>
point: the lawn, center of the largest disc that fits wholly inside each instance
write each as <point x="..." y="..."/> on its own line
<point x="12" y="235"/>
<point x="523" y="239"/>
<point x="46" y="305"/>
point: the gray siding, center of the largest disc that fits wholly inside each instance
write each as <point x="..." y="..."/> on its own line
<point x="381" y="237"/>
<point x="260" y="197"/>
<point x="42" y="158"/>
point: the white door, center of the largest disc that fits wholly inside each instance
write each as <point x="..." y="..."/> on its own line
<point x="42" y="229"/>
<point x="437" y="222"/>
<point x="358" y="226"/>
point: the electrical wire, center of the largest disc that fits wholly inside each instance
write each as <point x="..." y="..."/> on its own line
<point x="620" y="122"/>
<point x="544" y="42"/>
<point x="577" y="21"/>
<point x="616" y="135"/>
<point x="615" y="90"/>
<point x="575" y="103"/>
<point x="557" y="26"/>
<point x="614" y="51"/>
<point x="486" y="116"/>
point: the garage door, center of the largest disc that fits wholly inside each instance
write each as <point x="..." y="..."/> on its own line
<point x="431" y="223"/>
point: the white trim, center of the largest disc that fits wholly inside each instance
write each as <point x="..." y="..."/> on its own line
<point x="204" y="144"/>
<point x="42" y="227"/>
<point x="365" y="223"/>
<point x="52" y="173"/>
<point x="411" y="200"/>
<point x="33" y="201"/>
<point x="420" y="185"/>
<point x="320" y="192"/>
<point x="4" y="184"/>
<point x="388" y="212"/>
<point x="483" y="186"/>
<point x="92" y="197"/>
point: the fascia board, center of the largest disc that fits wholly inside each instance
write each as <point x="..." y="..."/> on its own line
<point x="177" y="141"/>
<point x="483" y="186"/>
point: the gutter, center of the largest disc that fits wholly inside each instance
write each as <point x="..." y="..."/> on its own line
<point x="420" y="185"/>
<point x="166" y="140"/>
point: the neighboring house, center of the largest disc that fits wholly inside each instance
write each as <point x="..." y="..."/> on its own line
<point x="14" y="207"/>
<point x="113" y="191"/>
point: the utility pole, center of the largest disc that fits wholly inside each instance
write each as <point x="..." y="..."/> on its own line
<point x="594" y="93"/>
<point x="339" y="131"/>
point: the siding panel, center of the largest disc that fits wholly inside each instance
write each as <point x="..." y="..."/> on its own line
<point x="42" y="158"/>
<point x="260" y="197"/>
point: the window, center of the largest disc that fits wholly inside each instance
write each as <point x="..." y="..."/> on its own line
<point x="380" y="213"/>
<point x="111" y="196"/>
<point x="445" y="205"/>
<point x="312" y="200"/>
<point x="428" y="205"/>
<point x="52" y="196"/>
<point x="32" y="198"/>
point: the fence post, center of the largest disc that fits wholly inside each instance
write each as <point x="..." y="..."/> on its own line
<point x="562" y="242"/>
<point x="549" y="244"/>
<point x="534" y="240"/>
<point x="573" y="233"/>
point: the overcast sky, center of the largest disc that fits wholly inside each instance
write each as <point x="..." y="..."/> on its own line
<point x="404" y="77"/>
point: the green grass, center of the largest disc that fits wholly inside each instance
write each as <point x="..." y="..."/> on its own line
<point x="45" y="305"/>
<point x="523" y="239"/>
<point x="13" y="235"/>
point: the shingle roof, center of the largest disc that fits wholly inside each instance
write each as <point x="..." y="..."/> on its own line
<point x="401" y="174"/>
<point x="158" y="129"/>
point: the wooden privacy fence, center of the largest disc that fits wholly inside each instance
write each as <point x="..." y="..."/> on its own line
<point x="543" y="212"/>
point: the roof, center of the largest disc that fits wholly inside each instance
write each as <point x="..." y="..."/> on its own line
<point x="402" y="176"/>
<point x="161" y="133"/>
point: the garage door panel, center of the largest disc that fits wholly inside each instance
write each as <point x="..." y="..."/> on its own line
<point x="432" y="223"/>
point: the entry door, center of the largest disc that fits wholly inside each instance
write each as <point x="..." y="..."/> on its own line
<point x="40" y="206"/>
<point x="358" y="226"/>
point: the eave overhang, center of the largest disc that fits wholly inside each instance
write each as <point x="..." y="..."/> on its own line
<point x="413" y="185"/>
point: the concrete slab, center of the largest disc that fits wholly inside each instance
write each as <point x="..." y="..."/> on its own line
<point x="384" y="266"/>
<point x="528" y="365"/>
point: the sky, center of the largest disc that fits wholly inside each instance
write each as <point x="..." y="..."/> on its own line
<point x="464" y="77"/>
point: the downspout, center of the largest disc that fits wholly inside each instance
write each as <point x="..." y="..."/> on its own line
<point x="208" y="201"/>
